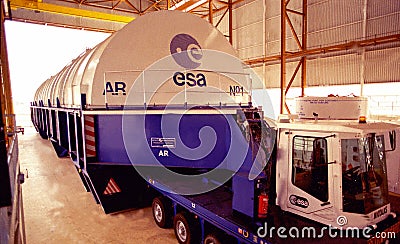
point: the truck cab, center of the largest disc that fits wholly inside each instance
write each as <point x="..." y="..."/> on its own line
<point x="334" y="172"/>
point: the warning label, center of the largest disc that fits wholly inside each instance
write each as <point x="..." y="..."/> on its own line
<point x="163" y="142"/>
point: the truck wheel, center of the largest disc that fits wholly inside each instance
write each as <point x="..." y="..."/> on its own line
<point x="161" y="213"/>
<point x="212" y="239"/>
<point x="185" y="229"/>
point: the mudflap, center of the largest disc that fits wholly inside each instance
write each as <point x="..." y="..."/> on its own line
<point x="60" y="151"/>
<point x="118" y="187"/>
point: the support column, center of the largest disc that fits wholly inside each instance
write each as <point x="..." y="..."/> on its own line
<point x="210" y="12"/>
<point x="230" y="21"/>
<point x="301" y="52"/>
<point x="283" y="55"/>
<point x="304" y="49"/>
<point x="6" y="108"/>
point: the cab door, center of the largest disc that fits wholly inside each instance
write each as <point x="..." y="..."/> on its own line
<point x="310" y="171"/>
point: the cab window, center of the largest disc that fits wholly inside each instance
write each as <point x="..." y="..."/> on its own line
<point x="364" y="174"/>
<point x="310" y="167"/>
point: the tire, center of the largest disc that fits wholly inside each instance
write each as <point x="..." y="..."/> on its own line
<point x="185" y="229"/>
<point x="162" y="214"/>
<point x="212" y="239"/>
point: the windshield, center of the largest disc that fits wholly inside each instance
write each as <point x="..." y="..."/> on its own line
<point x="364" y="174"/>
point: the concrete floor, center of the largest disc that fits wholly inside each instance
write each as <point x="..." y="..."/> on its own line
<point x="58" y="209"/>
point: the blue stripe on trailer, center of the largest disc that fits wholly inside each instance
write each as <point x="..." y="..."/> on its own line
<point x="140" y="140"/>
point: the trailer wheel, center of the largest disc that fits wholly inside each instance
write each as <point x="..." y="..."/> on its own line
<point x="212" y="239"/>
<point x="161" y="213"/>
<point x="185" y="229"/>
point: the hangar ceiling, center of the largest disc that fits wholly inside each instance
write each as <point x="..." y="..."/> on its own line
<point x="105" y="15"/>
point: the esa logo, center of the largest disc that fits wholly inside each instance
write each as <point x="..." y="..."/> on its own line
<point x="180" y="79"/>
<point x="187" y="53"/>
<point x="298" y="201"/>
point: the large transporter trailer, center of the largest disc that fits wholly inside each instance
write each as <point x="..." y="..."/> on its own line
<point x="172" y="123"/>
<point x="336" y="196"/>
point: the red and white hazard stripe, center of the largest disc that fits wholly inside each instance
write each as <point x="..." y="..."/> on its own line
<point x="90" y="137"/>
<point x="111" y="188"/>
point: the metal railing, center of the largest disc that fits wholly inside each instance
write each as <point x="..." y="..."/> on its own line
<point x="156" y="87"/>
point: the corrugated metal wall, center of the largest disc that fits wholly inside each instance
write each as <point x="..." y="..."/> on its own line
<point x="329" y="22"/>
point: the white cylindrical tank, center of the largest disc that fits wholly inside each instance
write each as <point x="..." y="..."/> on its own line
<point x="165" y="57"/>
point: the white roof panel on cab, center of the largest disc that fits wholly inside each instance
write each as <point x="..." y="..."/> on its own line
<point x="338" y="126"/>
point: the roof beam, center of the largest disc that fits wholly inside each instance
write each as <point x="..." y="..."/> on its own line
<point x="352" y="45"/>
<point x="75" y="12"/>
